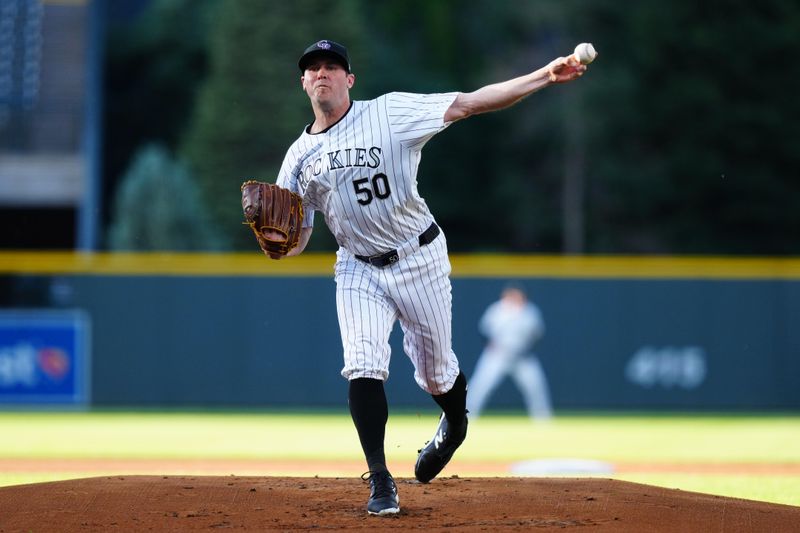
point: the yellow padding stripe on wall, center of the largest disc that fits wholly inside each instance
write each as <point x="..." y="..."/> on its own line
<point x="321" y="264"/>
<point x="625" y="267"/>
<point x="174" y="264"/>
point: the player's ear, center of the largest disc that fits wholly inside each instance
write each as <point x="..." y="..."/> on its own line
<point x="351" y="80"/>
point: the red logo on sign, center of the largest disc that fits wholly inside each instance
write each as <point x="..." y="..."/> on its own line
<point x="53" y="362"/>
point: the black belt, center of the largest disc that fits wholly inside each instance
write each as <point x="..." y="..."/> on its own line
<point x="392" y="256"/>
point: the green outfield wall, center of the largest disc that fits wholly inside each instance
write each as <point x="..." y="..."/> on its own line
<point x="184" y="330"/>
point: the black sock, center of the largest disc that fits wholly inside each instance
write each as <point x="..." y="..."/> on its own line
<point x="369" y="410"/>
<point x="454" y="401"/>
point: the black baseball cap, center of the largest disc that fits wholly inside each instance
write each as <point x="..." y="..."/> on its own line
<point x="325" y="48"/>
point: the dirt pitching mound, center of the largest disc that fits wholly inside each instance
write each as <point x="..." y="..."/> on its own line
<point x="184" y="503"/>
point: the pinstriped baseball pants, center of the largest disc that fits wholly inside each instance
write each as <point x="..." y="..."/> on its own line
<point x="416" y="291"/>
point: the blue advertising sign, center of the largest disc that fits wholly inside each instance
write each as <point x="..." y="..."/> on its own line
<point x="44" y="357"/>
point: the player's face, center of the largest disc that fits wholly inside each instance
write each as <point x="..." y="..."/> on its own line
<point x="514" y="297"/>
<point x="327" y="83"/>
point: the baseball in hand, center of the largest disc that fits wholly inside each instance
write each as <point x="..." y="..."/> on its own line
<point x="585" y="53"/>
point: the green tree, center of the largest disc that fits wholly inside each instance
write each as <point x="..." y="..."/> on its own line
<point x="153" y="66"/>
<point x="158" y="207"/>
<point x="691" y="147"/>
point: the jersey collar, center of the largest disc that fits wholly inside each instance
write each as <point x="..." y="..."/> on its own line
<point x="308" y="127"/>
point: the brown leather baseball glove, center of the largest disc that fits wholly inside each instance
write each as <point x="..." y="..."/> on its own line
<point x="274" y="214"/>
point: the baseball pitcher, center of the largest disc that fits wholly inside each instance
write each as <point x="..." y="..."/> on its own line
<point x="356" y="163"/>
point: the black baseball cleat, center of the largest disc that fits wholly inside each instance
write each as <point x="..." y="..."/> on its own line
<point x="383" y="498"/>
<point x="438" y="452"/>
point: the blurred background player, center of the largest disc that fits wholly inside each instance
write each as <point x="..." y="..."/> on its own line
<point x="511" y="325"/>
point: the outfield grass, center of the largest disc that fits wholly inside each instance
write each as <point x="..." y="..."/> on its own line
<point x="690" y="443"/>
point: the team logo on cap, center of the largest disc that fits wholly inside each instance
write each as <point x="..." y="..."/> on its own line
<point x="325" y="45"/>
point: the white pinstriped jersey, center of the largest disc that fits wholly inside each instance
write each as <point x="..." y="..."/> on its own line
<point x="361" y="172"/>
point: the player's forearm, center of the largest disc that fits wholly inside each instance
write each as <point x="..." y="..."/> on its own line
<point x="497" y="95"/>
<point x="305" y="236"/>
<point x="507" y="93"/>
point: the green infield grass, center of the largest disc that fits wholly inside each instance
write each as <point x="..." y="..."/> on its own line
<point x="747" y="456"/>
